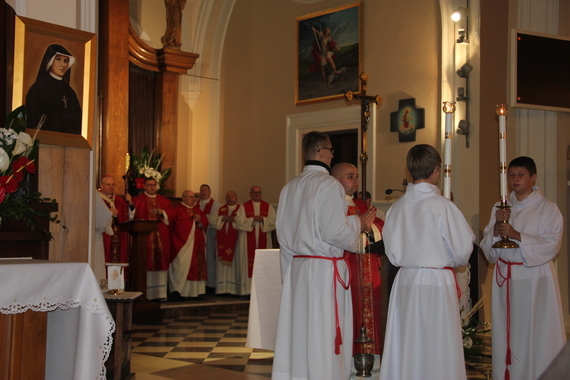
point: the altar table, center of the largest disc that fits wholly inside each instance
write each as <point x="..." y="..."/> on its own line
<point x="79" y="324"/>
<point x="265" y="298"/>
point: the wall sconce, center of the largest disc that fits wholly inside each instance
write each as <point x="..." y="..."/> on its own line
<point x="464" y="71"/>
<point x="461" y="16"/>
<point x="464" y="129"/>
<point x="463" y="96"/>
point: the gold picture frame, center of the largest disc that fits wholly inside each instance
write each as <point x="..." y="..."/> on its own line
<point x="329" y="59"/>
<point x="32" y="41"/>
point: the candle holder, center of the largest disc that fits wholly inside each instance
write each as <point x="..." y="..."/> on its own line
<point x="502" y="111"/>
<point x="505" y="242"/>
<point x="448" y="108"/>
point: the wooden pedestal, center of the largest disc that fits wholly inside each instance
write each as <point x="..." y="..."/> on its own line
<point x="145" y="311"/>
<point x="119" y="363"/>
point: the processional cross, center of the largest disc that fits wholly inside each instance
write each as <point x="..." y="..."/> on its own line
<point x="365" y="101"/>
<point x="364" y="361"/>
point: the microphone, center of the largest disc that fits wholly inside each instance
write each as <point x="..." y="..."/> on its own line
<point x="390" y="191"/>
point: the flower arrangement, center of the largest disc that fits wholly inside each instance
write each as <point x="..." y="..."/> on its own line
<point x="18" y="153"/>
<point x="471" y="330"/>
<point x="147" y="165"/>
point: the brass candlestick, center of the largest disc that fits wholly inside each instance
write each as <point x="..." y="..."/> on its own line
<point x="505" y="242"/>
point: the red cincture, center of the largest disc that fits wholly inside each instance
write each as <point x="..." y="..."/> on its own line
<point x="501" y="280"/>
<point x="336" y="278"/>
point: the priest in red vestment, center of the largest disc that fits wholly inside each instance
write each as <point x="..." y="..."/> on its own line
<point x="228" y="260"/>
<point x="255" y="220"/>
<point x="364" y="271"/>
<point x="188" y="273"/>
<point x="116" y="245"/>
<point x="152" y="206"/>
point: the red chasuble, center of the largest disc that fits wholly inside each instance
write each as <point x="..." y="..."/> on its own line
<point x="227" y="236"/>
<point x="117" y="246"/>
<point x="252" y="245"/>
<point x="182" y="225"/>
<point x="365" y="289"/>
<point x="158" y="243"/>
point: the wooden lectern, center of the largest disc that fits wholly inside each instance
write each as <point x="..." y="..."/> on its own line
<point x="144" y="310"/>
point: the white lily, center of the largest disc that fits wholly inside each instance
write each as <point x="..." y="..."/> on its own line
<point x="23" y="142"/>
<point x="4" y="160"/>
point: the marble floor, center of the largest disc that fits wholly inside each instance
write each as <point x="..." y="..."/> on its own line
<point x="210" y="344"/>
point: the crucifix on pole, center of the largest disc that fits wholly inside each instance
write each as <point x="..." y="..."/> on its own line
<point x="364" y="360"/>
<point x="365" y="101"/>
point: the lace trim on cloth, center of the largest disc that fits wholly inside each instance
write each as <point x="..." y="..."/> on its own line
<point x="45" y="306"/>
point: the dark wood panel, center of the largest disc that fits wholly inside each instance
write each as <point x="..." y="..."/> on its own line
<point x="7" y="15"/>
<point x="113" y="87"/>
<point x="142" y="110"/>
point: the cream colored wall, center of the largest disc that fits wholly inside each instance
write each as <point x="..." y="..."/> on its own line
<point x="258" y="86"/>
<point x="199" y="90"/>
<point x="401" y="45"/>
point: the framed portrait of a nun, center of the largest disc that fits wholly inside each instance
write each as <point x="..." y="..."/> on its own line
<point x="54" y="77"/>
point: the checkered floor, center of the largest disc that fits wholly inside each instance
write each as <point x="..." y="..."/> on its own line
<point x="216" y="340"/>
<point x="212" y="347"/>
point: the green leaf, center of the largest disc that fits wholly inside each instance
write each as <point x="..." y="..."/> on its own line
<point x="16" y="120"/>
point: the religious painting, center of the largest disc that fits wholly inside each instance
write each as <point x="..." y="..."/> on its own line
<point x="54" y="77"/>
<point x="407" y="120"/>
<point x="328" y="54"/>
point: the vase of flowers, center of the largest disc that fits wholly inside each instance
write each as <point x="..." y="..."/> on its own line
<point x="147" y="165"/>
<point x="18" y="154"/>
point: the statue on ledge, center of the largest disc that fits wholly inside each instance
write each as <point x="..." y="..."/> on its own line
<point x="173" y="36"/>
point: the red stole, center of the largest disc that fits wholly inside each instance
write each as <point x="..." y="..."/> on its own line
<point x="155" y="251"/>
<point x="208" y="207"/>
<point x="365" y="289"/>
<point x="198" y="269"/>
<point x="159" y="242"/>
<point x="251" y="243"/>
<point x="227" y="236"/>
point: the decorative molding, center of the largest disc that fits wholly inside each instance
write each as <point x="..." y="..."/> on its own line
<point x="216" y="41"/>
<point x="336" y="119"/>
<point x="88" y="15"/>
<point x="164" y="60"/>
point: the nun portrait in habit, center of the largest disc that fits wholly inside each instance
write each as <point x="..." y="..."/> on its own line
<point x="51" y="94"/>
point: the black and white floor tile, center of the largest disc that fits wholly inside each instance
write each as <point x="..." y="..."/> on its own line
<point x="212" y="346"/>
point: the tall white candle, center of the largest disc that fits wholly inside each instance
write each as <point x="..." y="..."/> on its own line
<point x="127" y="162"/>
<point x="448" y="108"/>
<point x="502" y="112"/>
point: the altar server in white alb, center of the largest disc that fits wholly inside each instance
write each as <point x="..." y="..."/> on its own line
<point x="314" y="332"/>
<point x="426" y="235"/>
<point x="525" y="287"/>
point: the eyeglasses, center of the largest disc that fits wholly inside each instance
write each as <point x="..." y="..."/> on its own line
<point x="331" y="150"/>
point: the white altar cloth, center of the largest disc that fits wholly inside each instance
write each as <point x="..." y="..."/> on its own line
<point x="265" y="298"/>
<point x="79" y="327"/>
